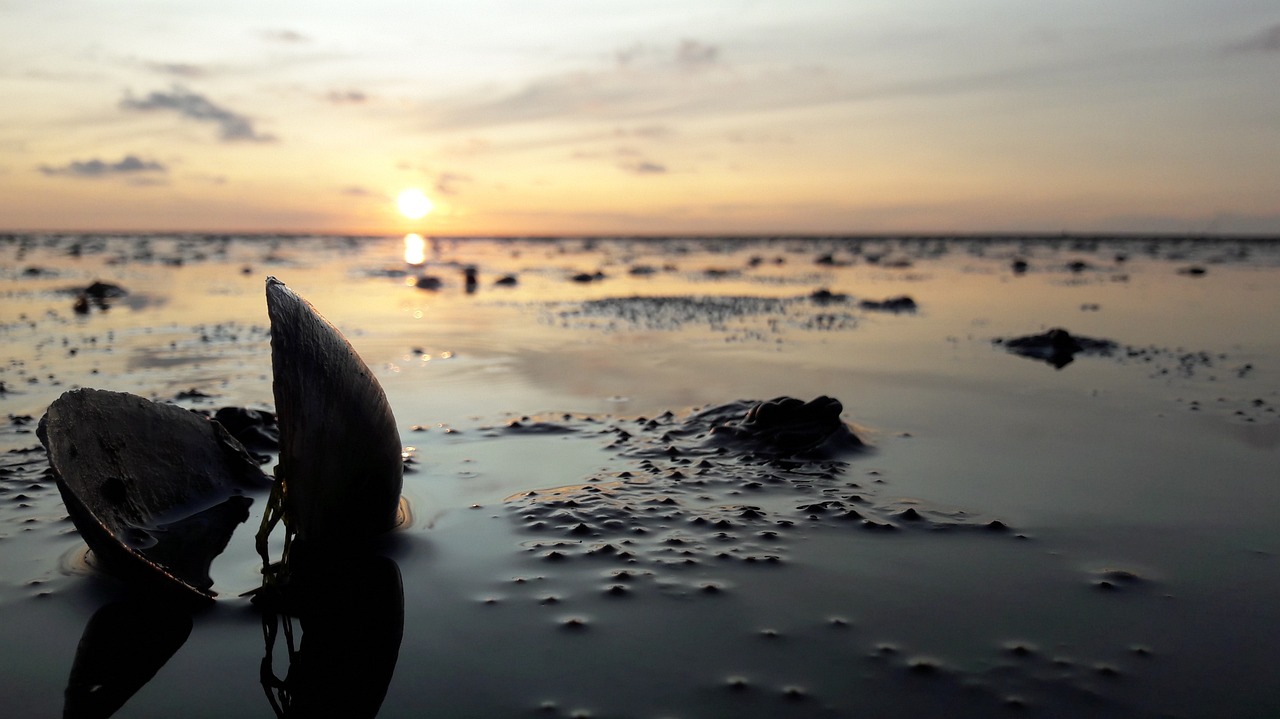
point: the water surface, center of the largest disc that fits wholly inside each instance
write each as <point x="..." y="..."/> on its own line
<point x="1136" y="577"/>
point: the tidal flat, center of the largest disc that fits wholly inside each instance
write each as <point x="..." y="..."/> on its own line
<point x="1085" y="528"/>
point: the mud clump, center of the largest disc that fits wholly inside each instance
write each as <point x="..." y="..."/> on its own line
<point x="99" y="295"/>
<point x="786" y="426"/>
<point x="896" y="305"/>
<point x="728" y="484"/>
<point x="256" y="429"/>
<point x="1056" y="347"/>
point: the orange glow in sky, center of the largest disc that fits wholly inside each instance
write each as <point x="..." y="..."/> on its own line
<point x="720" y="116"/>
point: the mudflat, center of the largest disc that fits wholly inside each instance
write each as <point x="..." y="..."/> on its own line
<point x="693" y="477"/>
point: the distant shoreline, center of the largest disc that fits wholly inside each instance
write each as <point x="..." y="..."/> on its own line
<point x="994" y="237"/>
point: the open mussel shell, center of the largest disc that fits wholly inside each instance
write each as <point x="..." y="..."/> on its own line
<point x="340" y="461"/>
<point x="154" y="489"/>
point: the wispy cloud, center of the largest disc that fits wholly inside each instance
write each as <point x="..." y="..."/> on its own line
<point x="638" y="82"/>
<point x="644" y="167"/>
<point x="346" y="97"/>
<point x="232" y="126"/>
<point x="693" y="56"/>
<point x="284" y="36"/>
<point x="177" y="69"/>
<point x="645" y="132"/>
<point x="447" y="183"/>
<point x="1267" y="41"/>
<point x="356" y="191"/>
<point x="129" y="165"/>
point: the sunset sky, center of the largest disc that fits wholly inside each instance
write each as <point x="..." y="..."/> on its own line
<point x="653" y="117"/>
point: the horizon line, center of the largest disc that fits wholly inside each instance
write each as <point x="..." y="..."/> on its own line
<point x="881" y="235"/>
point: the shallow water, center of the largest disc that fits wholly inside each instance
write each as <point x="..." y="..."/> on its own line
<point x="1138" y="576"/>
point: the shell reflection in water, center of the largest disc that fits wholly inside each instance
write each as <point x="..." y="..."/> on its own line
<point x="351" y="632"/>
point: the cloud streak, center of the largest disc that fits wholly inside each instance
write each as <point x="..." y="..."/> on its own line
<point x="346" y="97"/>
<point x="644" y="167"/>
<point x="283" y="35"/>
<point x="1267" y="41"/>
<point x="693" y="56"/>
<point x="129" y="165"/>
<point x="447" y="183"/>
<point x="177" y="69"/>
<point x="232" y="126"/>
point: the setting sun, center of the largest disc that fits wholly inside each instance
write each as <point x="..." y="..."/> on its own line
<point x="414" y="204"/>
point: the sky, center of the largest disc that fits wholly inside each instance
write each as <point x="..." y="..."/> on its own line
<point x="602" y="117"/>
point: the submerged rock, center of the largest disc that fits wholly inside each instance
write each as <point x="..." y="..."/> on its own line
<point x="1057" y="346"/>
<point x="154" y="489"/>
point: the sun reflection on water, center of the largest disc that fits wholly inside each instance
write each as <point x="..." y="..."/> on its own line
<point x="415" y="249"/>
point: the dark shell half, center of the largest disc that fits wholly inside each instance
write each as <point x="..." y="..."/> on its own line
<point x="155" y="490"/>
<point x="340" y="448"/>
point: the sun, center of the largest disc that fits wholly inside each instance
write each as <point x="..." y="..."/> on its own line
<point x="414" y="204"/>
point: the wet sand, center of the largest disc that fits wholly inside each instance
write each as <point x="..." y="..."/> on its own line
<point x="1009" y="534"/>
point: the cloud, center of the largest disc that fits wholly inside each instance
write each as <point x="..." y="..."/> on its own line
<point x="644" y="132"/>
<point x="644" y="167"/>
<point x="346" y="97"/>
<point x="356" y="191"/>
<point x="232" y="127"/>
<point x="177" y="69"/>
<point x="1267" y="41"/>
<point x="447" y="182"/>
<point x="693" y="56"/>
<point x="689" y="56"/>
<point x="129" y="165"/>
<point x="284" y="36"/>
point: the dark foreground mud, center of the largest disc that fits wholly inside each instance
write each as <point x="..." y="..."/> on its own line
<point x="729" y="482"/>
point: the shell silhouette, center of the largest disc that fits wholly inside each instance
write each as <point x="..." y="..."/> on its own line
<point x="340" y="470"/>
<point x="154" y="489"/>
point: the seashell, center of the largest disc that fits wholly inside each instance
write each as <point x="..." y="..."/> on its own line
<point x="340" y="469"/>
<point x="154" y="489"/>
